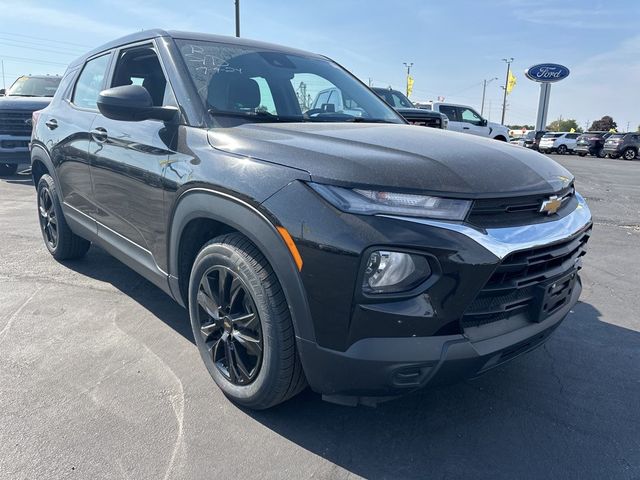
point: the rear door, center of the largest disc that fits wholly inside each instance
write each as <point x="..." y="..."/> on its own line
<point x="70" y="123"/>
<point x="128" y="158"/>
<point x="455" y="124"/>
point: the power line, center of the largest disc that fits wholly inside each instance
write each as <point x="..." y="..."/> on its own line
<point x="34" y="60"/>
<point x="48" y="40"/>
<point x="39" y="49"/>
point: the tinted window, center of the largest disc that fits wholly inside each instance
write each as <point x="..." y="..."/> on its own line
<point x="552" y="135"/>
<point x="90" y="82"/>
<point x="141" y="66"/>
<point x="572" y="136"/>
<point x="450" y="112"/>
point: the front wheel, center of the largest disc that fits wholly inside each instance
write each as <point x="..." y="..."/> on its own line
<point x="7" y="169"/>
<point x="614" y="155"/>
<point x="61" y="242"/>
<point x="562" y="150"/>
<point x="600" y="153"/>
<point x="629" y="154"/>
<point x="582" y="154"/>
<point x="242" y="325"/>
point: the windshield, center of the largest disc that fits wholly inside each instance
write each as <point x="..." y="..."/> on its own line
<point x="34" y="87"/>
<point x="267" y="85"/>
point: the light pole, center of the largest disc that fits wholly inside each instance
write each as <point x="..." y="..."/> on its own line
<point x="506" y="83"/>
<point x="237" y="18"/>
<point x="408" y="65"/>
<point x="484" y="90"/>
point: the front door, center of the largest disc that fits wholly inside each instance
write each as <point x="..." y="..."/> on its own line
<point x="128" y="158"/>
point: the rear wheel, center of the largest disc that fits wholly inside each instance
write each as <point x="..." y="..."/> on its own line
<point x="629" y="154"/>
<point x="241" y="324"/>
<point x="61" y="242"/>
<point x="582" y="154"/>
<point x="614" y="155"/>
<point x="562" y="150"/>
<point x="6" y="169"/>
<point x="600" y="153"/>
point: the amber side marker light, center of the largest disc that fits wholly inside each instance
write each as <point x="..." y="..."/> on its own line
<point x="291" y="246"/>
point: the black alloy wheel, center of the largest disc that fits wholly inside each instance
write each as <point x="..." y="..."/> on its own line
<point x="230" y="325"/>
<point x="562" y="150"/>
<point x="48" y="218"/>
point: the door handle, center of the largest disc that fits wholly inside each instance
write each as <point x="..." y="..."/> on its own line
<point x="465" y="128"/>
<point x="99" y="134"/>
<point x="51" y="124"/>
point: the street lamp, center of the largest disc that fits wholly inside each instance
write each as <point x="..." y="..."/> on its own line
<point x="506" y="83"/>
<point x="484" y="90"/>
<point x="408" y="65"/>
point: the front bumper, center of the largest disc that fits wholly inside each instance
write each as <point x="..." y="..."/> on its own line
<point x="613" y="150"/>
<point x="387" y="367"/>
<point x="14" y="149"/>
<point x="384" y="346"/>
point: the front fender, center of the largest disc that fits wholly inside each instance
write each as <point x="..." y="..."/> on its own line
<point x="255" y="225"/>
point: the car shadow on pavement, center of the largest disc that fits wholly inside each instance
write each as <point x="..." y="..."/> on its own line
<point x="99" y="265"/>
<point x="567" y="410"/>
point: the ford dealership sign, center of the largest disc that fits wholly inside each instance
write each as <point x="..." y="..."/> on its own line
<point x="547" y="72"/>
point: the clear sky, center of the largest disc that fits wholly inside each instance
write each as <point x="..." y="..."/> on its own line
<point x="453" y="44"/>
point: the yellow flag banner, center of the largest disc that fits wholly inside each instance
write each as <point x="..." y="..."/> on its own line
<point x="511" y="82"/>
<point x="409" y="85"/>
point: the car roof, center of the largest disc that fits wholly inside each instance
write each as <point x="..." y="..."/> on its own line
<point x="175" y="34"/>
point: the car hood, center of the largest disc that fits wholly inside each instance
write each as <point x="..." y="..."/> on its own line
<point x="24" y="103"/>
<point x="394" y="156"/>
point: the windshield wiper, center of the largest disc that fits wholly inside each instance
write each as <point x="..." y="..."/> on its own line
<point x="367" y="120"/>
<point x="260" y="115"/>
<point x="20" y="95"/>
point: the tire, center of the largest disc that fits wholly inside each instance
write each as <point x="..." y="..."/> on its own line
<point x="247" y="320"/>
<point x="614" y="155"/>
<point x="582" y="154"/>
<point x="629" y="154"/>
<point x="7" y="169"/>
<point x="61" y="242"/>
<point x="562" y="150"/>
<point x="600" y="153"/>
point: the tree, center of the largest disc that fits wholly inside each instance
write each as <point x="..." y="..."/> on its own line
<point x="520" y="127"/>
<point x="566" y="125"/>
<point x="605" y="124"/>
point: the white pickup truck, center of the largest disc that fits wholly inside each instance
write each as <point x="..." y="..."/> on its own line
<point x="465" y="119"/>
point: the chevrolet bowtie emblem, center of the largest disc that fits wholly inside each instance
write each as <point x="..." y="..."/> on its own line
<point x="551" y="206"/>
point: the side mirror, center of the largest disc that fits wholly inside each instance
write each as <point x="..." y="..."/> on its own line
<point x="483" y="122"/>
<point x="2" y="91"/>
<point x="132" y="103"/>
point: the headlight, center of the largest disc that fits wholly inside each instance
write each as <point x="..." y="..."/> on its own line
<point x="370" y="202"/>
<point x="393" y="272"/>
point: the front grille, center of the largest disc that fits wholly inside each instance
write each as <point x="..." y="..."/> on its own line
<point x="424" y="121"/>
<point x="535" y="282"/>
<point x="15" y="123"/>
<point x="510" y="212"/>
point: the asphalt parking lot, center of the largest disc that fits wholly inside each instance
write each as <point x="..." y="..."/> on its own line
<point x="99" y="378"/>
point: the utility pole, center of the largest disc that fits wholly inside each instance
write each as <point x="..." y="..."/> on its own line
<point x="484" y="90"/>
<point x="506" y="83"/>
<point x="408" y="65"/>
<point x="628" y="125"/>
<point x="237" y="18"/>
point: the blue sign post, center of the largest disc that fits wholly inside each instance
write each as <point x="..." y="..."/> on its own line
<point x="545" y="74"/>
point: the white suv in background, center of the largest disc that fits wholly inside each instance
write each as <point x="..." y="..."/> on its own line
<point x="465" y="119"/>
<point x="558" y="142"/>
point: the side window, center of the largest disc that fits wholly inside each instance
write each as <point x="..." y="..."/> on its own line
<point x="90" y="82"/>
<point x="398" y="101"/>
<point x="141" y="66"/>
<point x="469" y="116"/>
<point x="572" y="136"/>
<point x="450" y="112"/>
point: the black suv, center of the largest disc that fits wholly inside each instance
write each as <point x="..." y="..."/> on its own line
<point x="625" y="145"/>
<point x="532" y="139"/>
<point x="357" y="254"/>
<point x="28" y="94"/>
<point x="413" y="115"/>
<point x="592" y="143"/>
